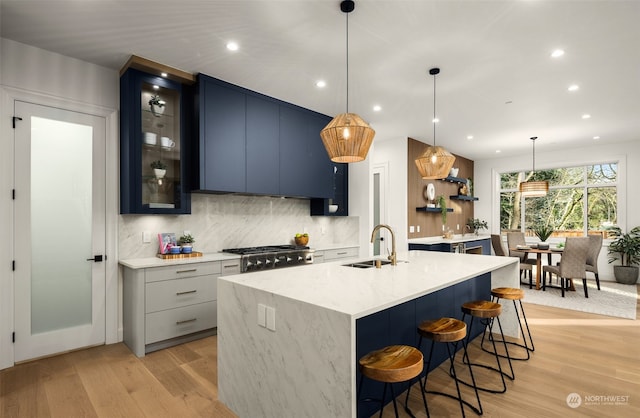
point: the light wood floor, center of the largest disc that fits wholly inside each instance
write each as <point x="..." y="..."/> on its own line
<point x="576" y="352"/>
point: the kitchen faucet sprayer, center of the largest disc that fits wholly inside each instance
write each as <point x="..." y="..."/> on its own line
<point x="393" y="256"/>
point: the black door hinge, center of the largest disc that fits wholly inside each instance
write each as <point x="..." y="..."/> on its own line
<point x="14" y="119"/>
<point x="13" y="337"/>
<point x="13" y="265"/>
<point x="13" y="194"/>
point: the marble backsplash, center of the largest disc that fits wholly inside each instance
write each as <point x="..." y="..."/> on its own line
<point x="231" y="221"/>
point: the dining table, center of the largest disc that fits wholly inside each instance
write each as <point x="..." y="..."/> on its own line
<point x="539" y="252"/>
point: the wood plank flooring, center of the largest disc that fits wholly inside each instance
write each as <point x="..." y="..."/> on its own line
<point x="576" y="352"/>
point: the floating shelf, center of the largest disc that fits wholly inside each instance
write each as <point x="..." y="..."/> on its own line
<point x="454" y="179"/>
<point x="463" y="197"/>
<point x="436" y="210"/>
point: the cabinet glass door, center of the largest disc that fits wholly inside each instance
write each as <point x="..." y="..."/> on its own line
<point x="161" y="142"/>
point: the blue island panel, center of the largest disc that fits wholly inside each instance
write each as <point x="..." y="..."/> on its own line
<point x="398" y="325"/>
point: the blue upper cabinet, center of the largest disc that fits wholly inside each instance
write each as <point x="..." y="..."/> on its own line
<point x="222" y="137"/>
<point x="155" y="142"/>
<point x="252" y="143"/>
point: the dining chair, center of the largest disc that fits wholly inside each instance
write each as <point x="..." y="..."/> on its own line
<point x="526" y="264"/>
<point x="573" y="264"/>
<point x="595" y="245"/>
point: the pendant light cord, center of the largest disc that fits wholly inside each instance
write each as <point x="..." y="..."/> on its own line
<point x="434" y="111"/>
<point x="347" y="14"/>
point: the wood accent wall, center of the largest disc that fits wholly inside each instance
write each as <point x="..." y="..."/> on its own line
<point x="430" y="223"/>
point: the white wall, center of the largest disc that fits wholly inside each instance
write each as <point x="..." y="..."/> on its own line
<point x="628" y="154"/>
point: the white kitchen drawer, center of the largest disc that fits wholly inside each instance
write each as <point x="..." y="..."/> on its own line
<point x="154" y="274"/>
<point x="180" y="321"/>
<point x="340" y="253"/>
<point x="175" y="293"/>
<point x="318" y="257"/>
<point x="230" y="267"/>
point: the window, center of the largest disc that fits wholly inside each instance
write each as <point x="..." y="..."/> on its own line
<point x="581" y="200"/>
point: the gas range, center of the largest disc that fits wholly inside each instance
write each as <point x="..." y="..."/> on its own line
<point x="272" y="256"/>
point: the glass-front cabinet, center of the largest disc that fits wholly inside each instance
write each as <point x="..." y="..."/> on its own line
<point x="154" y="139"/>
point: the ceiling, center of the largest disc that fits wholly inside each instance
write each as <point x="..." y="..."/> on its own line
<point x="498" y="82"/>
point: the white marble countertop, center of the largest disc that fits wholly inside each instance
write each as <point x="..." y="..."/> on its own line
<point x="141" y="263"/>
<point x="333" y="247"/>
<point x="359" y="292"/>
<point x="456" y="239"/>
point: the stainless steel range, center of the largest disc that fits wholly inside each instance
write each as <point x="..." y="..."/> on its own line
<point x="272" y="256"/>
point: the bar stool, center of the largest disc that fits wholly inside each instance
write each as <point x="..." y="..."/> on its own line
<point x="449" y="331"/>
<point x="487" y="312"/>
<point x="393" y="364"/>
<point x="515" y="295"/>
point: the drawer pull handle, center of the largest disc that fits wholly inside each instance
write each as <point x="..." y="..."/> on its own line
<point x="186" y="292"/>
<point x="231" y="266"/>
<point x="342" y="253"/>
<point x="186" y="271"/>
<point x="185" y="321"/>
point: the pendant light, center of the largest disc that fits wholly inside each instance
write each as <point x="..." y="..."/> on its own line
<point x="347" y="137"/>
<point x="534" y="188"/>
<point x="435" y="162"/>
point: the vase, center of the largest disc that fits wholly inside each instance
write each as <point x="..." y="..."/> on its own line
<point x="159" y="172"/>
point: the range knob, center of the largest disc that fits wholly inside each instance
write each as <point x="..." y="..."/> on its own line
<point x="289" y="259"/>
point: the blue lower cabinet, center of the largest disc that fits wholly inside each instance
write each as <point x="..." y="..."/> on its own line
<point x="398" y="325"/>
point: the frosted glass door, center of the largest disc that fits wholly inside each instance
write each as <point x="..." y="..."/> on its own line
<point x="59" y="223"/>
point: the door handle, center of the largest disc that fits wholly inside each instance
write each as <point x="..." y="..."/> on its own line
<point x="97" y="258"/>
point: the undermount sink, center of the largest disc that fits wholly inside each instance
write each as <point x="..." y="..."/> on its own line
<point x="367" y="264"/>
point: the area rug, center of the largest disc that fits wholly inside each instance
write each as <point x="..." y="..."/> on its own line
<point x="614" y="299"/>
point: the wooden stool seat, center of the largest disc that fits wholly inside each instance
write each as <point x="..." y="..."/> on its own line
<point x="510" y="293"/>
<point x="395" y="363"/>
<point x="443" y="329"/>
<point x="482" y="309"/>
<point x="389" y="365"/>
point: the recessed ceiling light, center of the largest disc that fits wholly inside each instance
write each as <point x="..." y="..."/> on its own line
<point x="321" y="83"/>
<point x="573" y="87"/>
<point x="435" y="120"/>
<point x="498" y="151"/>
<point x="232" y="46"/>
<point x="163" y="75"/>
<point x="155" y="87"/>
<point x="469" y="137"/>
<point x="557" y="53"/>
<point x="586" y="116"/>
<point x="596" y="137"/>
<point x="377" y="108"/>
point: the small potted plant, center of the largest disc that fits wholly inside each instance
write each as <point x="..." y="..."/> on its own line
<point x="543" y="232"/>
<point x="441" y="202"/>
<point x="475" y="225"/>
<point x="626" y="248"/>
<point x="159" y="169"/>
<point x="186" y="243"/>
<point x="157" y="105"/>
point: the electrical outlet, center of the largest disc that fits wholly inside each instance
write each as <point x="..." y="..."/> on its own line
<point x="146" y="237"/>
<point x="271" y="318"/>
<point x="262" y="315"/>
<point x="412" y="229"/>
<point x="418" y="227"/>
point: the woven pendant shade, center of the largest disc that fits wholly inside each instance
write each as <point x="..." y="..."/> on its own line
<point x="435" y="163"/>
<point x="351" y="149"/>
<point x="534" y="188"/>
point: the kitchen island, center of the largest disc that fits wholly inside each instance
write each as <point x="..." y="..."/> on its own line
<point x="289" y="340"/>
